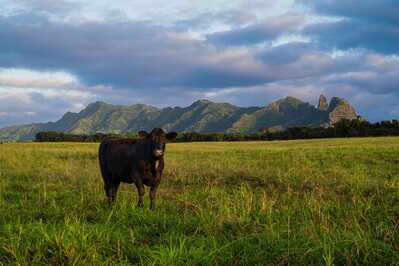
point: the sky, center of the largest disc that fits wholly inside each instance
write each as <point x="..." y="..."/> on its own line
<point x="59" y="56"/>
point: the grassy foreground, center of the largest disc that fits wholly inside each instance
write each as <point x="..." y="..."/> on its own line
<point x="317" y="202"/>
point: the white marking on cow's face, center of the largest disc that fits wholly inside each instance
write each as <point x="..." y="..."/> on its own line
<point x="158" y="152"/>
<point x="156" y="164"/>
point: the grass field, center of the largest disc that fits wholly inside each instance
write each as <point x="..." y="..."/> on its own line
<point x="314" y="202"/>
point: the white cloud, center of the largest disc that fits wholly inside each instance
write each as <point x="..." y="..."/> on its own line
<point x="25" y="78"/>
<point x="39" y="96"/>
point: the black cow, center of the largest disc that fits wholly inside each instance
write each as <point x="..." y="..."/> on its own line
<point x="134" y="161"/>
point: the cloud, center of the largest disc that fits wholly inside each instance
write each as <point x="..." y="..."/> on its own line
<point x="382" y="11"/>
<point x="28" y="95"/>
<point x="368" y="24"/>
<point x="376" y="83"/>
<point x="286" y="53"/>
<point x="25" y="78"/>
<point x="348" y="34"/>
<point x="259" y="32"/>
<point x="21" y="106"/>
<point x="156" y="12"/>
<point x="139" y="56"/>
<point x="127" y="54"/>
<point x="48" y="6"/>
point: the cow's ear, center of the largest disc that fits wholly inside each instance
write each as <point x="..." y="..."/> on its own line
<point x="171" y="135"/>
<point x="143" y="134"/>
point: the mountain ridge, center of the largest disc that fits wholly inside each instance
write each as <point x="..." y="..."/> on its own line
<point x="201" y="116"/>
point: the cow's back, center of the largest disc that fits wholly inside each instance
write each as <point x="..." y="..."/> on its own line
<point x="114" y="157"/>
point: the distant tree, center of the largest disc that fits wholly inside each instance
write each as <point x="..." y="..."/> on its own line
<point x="343" y="128"/>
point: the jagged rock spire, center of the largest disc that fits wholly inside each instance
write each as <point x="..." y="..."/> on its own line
<point x="323" y="105"/>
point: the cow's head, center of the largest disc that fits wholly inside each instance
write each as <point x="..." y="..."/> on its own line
<point x="158" y="139"/>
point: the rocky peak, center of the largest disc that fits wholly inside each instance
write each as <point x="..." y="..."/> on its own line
<point x="323" y="105"/>
<point x="340" y="109"/>
<point x="335" y="102"/>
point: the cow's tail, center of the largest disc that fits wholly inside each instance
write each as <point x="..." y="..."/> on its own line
<point x="102" y="154"/>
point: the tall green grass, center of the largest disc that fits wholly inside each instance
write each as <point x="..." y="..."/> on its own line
<point x="315" y="202"/>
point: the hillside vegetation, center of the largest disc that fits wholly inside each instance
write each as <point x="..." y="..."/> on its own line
<point x="309" y="202"/>
<point x="202" y="116"/>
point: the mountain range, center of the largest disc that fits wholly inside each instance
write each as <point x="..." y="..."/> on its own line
<point x="201" y="116"/>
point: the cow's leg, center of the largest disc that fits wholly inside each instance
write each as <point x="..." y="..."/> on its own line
<point x="140" y="190"/>
<point x="153" y="192"/>
<point x="154" y="187"/>
<point x="111" y="188"/>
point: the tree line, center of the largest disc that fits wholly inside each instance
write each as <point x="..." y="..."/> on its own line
<point x="344" y="128"/>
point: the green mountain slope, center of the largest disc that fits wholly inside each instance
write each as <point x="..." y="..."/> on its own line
<point x="281" y="114"/>
<point x="201" y="116"/>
